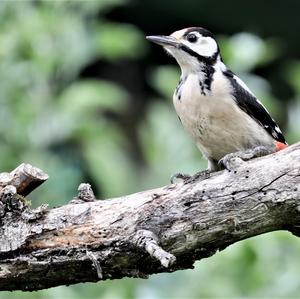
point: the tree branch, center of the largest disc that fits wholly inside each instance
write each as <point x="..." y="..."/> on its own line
<point x="154" y="231"/>
<point x="25" y="178"/>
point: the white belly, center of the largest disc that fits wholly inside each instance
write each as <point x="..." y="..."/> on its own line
<point x="215" y="122"/>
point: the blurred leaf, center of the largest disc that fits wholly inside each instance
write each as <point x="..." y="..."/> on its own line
<point x="294" y="122"/>
<point x="63" y="181"/>
<point x="87" y="7"/>
<point x="81" y="104"/>
<point x="43" y="36"/>
<point x="292" y="75"/>
<point x="107" y="158"/>
<point x="166" y="146"/>
<point x="86" y="96"/>
<point x="244" y="51"/>
<point x="116" y="41"/>
<point x="165" y="79"/>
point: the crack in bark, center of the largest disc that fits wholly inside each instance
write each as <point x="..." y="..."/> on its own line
<point x="274" y="180"/>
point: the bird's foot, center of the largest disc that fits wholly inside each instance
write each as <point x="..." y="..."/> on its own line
<point x="234" y="160"/>
<point x="180" y="176"/>
<point x="204" y="174"/>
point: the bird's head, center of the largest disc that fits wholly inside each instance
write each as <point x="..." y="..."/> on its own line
<point x="191" y="47"/>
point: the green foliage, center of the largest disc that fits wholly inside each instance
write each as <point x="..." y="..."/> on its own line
<point x="164" y="78"/>
<point x="117" y="41"/>
<point x="245" y="51"/>
<point x="65" y="111"/>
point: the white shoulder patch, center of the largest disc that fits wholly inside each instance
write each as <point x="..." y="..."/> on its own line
<point x="220" y="65"/>
<point x="242" y="83"/>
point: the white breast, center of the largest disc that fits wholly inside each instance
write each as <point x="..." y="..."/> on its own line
<point x="214" y="121"/>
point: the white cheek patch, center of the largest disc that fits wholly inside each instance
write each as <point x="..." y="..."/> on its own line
<point x="203" y="41"/>
<point x="205" y="46"/>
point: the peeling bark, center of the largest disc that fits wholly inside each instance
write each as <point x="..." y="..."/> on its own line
<point x="160" y="230"/>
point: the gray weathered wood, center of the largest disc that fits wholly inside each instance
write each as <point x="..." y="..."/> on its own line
<point x="25" y="178"/>
<point x="154" y="231"/>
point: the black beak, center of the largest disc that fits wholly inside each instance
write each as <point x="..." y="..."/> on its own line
<point x="163" y="40"/>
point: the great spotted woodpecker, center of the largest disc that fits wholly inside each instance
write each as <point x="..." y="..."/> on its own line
<point x="217" y="109"/>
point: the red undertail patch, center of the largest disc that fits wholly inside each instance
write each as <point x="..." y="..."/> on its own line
<point x="280" y="146"/>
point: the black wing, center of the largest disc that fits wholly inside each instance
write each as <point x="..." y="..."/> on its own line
<point x="250" y="104"/>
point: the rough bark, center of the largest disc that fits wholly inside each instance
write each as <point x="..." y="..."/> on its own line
<point x="154" y="231"/>
<point x="25" y="178"/>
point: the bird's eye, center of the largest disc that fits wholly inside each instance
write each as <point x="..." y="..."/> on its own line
<point x="192" y="38"/>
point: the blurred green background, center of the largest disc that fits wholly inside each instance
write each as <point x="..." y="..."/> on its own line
<point x="86" y="98"/>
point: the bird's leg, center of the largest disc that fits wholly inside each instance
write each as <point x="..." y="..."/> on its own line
<point x="203" y="174"/>
<point x="233" y="160"/>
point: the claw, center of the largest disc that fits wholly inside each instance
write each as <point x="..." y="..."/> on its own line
<point x="233" y="160"/>
<point x="179" y="175"/>
<point x="230" y="161"/>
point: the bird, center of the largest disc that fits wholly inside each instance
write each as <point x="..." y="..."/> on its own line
<point x="218" y="110"/>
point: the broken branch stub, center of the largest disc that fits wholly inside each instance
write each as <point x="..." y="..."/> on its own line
<point x="25" y="178"/>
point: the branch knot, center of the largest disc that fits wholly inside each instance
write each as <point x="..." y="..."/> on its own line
<point x="85" y="194"/>
<point x="148" y="241"/>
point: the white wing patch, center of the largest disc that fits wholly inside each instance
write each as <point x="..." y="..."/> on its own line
<point x="253" y="107"/>
<point x="277" y="129"/>
<point x="243" y="84"/>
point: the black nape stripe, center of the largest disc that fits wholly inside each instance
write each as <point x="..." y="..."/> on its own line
<point x="207" y="67"/>
<point x="207" y="62"/>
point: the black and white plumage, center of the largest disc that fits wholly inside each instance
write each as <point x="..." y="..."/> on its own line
<point x="252" y="106"/>
<point x="214" y="105"/>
